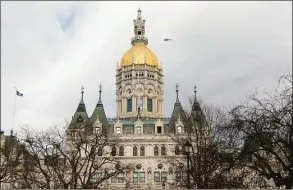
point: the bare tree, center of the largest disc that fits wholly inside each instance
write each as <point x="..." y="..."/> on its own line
<point x="212" y="150"/>
<point x="78" y="158"/>
<point x="265" y="122"/>
<point x="10" y="159"/>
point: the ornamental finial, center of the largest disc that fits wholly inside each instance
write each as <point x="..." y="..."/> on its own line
<point x="177" y="99"/>
<point x="100" y="92"/>
<point x="100" y="86"/>
<point x="82" y="88"/>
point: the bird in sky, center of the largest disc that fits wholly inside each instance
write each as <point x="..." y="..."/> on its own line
<point x="167" y="39"/>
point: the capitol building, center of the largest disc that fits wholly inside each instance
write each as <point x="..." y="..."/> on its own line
<point x="140" y="125"/>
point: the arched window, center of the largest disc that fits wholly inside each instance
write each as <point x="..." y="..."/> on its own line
<point x="179" y="129"/>
<point x="156" y="151"/>
<point x="177" y="150"/>
<point x="114" y="151"/>
<point x="134" y="151"/>
<point x="150" y="105"/>
<point x="121" y="151"/>
<point x="163" y="151"/>
<point x="142" y="152"/>
<point x="129" y="105"/>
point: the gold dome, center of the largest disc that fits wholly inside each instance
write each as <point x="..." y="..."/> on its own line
<point x="139" y="53"/>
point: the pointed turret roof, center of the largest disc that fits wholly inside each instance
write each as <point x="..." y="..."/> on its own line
<point x="99" y="113"/>
<point x="197" y="116"/>
<point x="177" y="113"/>
<point x="196" y="105"/>
<point x="80" y="115"/>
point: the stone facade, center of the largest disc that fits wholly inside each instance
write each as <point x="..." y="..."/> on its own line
<point x="140" y="125"/>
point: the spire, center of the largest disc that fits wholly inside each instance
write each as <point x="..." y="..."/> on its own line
<point x="81" y="105"/>
<point x="194" y="92"/>
<point x="139" y="30"/>
<point x="197" y="116"/>
<point x="100" y="94"/>
<point x="82" y="88"/>
<point x="80" y="114"/>
<point x="177" y="99"/>
<point x="138" y="14"/>
<point x="195" y="105"/>
<point x="99" y="112"/>
<point x="177" y="112"/>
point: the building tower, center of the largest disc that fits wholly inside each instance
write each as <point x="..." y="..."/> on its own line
<point x="139" y="79"/>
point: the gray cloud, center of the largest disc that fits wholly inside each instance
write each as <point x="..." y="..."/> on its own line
<point x="225" y="48"/>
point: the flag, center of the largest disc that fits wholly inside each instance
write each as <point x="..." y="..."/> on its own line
<point x="18" y="93"/>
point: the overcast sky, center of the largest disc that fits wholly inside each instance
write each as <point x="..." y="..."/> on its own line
<point x="50" y="49"/>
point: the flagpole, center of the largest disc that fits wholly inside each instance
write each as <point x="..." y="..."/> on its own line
<point x="13" y="108"/>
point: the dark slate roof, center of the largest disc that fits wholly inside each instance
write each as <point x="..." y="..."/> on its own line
<point x="197" y="117"/>
<point x="99" y="112"/>
<point x="80" y="115"/>
<point x="177" y="112"/>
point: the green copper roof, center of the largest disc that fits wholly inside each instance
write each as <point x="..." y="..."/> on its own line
<point x="165" y="121"/>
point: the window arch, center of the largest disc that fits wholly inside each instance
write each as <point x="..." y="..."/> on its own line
<point x="163" y="151"/>
<point x="121" y="151"/>
<point x="177" y="150"/>
<point x="114" y="151"/>
<point x="156" y="151"/>
<point x="142" y="151"/>
<point x="135" y="151"/>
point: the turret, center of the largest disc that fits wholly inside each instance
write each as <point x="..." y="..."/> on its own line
<point x="178" y="113"/>
<point x="99" y="115"/>
<point x="197" y="116"/>
<point x="80" y="116"/>
<point x="139" y="30"/>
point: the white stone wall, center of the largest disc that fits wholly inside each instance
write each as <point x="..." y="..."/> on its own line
<point x="128" y="85"/>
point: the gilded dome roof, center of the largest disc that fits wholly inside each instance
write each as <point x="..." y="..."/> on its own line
<point x="139" y="53"/>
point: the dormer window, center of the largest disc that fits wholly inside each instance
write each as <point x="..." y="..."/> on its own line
<point x="138" y="130"/>
<point x="98" y="130"/>
<point x="74" y="135"/>
<point x="179" y="129"/>
<point x="118" y="130"/>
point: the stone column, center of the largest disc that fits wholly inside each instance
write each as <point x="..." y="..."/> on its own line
<point x="145" y="99"/>
<point x="134" y="104"/>
<point x="124" y="110"/>
<point x="155" y="110"/>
